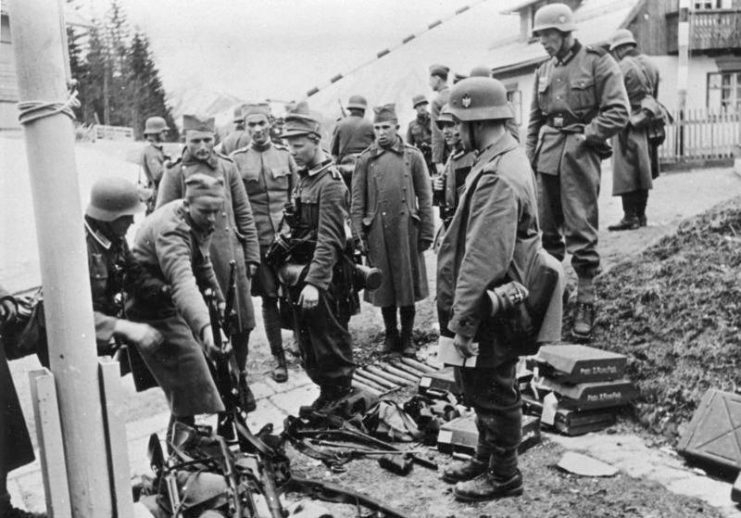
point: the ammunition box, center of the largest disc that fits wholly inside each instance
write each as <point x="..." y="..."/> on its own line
<point x="573" y="364"/>
<point x="588" y="396"/>
<point x="439" y="383"/>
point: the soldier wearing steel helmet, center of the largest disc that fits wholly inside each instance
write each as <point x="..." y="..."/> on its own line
<point x="320" y="297"/>
<point x="493" y="243"/>
<point x="419" y="131"/>
<point x="351" y="136"/>
<point x="154" y="157"/>
<point x="635" y="162"/>
<point x="113" y="269"/>
<point x="579" y="103"/>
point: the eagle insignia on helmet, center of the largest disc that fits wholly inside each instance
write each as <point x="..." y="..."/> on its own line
<point x="466" y="101"/>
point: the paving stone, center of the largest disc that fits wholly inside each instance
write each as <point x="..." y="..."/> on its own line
<point x="289" y="402"/>
<point x="266" y="412"/>
<point x="261" y="390"/>
<point x="296" y="378"/>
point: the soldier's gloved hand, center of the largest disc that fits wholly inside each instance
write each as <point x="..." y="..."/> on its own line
<point x="8" y="310"/>
<point x="309" y="297"/>
<point x="252" y="270"/>
<point x="465" y="345"/>
<point x="209" y="345"/>
<point x="142" y="335"/>
<point x="424" y="244"/>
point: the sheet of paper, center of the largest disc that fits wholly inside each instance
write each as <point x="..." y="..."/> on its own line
<point x="550" y="406"/>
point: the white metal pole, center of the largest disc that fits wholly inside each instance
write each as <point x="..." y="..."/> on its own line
<point x="39" y="56"/>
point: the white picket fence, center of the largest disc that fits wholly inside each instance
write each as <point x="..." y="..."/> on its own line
<point x="113" y="132"/>
<point x="701" y="135"/>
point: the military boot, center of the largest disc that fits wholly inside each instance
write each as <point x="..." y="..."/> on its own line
<point x="407" y="329"/>
<point x="629" y="222"/>
<point x="583" y="321"/>
<point x="247" y="399"/>
<point x="462" y="471"/>
<point x="280" y="372"/>
<point x="391" y="340"/>
<point x="317" y="405"/>
<point x="642" y="221"/>
<point x="488" y="486"/>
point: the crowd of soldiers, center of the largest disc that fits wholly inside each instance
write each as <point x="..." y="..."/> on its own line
<point x="293" y="218"/>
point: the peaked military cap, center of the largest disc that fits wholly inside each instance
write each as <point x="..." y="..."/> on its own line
<point x="300" y="121"/>
<point x="439" y="70"/>
<point x="385" y="113"/>
<point x="194" y="123"/>
<point x="419" y="99"/>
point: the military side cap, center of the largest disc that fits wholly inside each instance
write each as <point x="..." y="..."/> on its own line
<point x="385" y="113"/>
<point x="255" y="109"/>
<point x="439" y="70"/>
<point x="199" y="185"/>
<point x="445" y="117"/>
<point x="238" y="114"/>
<point x="480" y="71"/>
<point x="419" y="99"/>
<point x="621" y="37"/>
<point x="155" y="125"/>
<point x="358" y="102"/>
<point x="479" y="98"/>
<point x="194" y="123"/>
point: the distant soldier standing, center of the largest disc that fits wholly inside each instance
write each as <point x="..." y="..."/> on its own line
<point x="154" y="157"/>
<point x="419" y="132"/>
<point x="579" y="102"/>
<point x="439" y="85"/>
<point x="238" y="138"/>
<point x="351" y="136"/>
<point x="269" y="176"/>
<point x="320" y="296"/>
<point x="392" y="215"/>
<point x="636" y="161"/>
<point x="235" y="236"/>
<point x="492" y="242"/>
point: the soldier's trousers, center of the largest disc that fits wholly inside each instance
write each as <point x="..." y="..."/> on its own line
<point x="324" y="340"/>
<point x="569" y="214"/>
<point x="494" y="395"/>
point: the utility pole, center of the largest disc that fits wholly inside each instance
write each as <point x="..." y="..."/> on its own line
<point x="683" y="60"/>
<point x="38" y="44"/>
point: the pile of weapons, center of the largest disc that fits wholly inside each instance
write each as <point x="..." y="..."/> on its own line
<point x="205" y="477"/>
<point x="577" y="389"/>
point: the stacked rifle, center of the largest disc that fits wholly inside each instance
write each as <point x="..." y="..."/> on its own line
<point x="578" y="389"/>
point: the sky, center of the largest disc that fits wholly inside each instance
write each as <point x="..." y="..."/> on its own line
<point x="255" y="49"/>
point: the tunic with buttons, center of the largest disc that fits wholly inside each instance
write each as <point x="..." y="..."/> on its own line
<point x="392" y="210"/>
<point x="235" y="237"/>
<point x="235" y="140"/>
<point x="440" y="150"/>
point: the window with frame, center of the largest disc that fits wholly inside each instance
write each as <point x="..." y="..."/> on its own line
<point x="514" y="96"/>
<point x="724" y="90"/>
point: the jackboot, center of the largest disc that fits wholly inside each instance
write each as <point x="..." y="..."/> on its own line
<point x="488" y="486"/>
<point x="248" y="398"/>
<point x="391" y="340"/>
<point x="280" y="372"/>
<point x="583" y="321"/>
<point x="462" y="471"/>
<point x="642" y="221"/>
<point x="318" y="404"/>
<point x="407" y="329"/>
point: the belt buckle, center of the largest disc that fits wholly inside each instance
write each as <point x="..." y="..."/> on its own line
<point x="558" y="121"/>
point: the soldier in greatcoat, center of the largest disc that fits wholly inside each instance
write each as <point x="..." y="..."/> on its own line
<point x="269" y="176"/>
<point x="351" y="136"/>
<point x="635" y="162"/>
<point x="419" y="131"/>
<point x="154" y="157"/>
<point x="439" y="85"/>
<point x="238" y="138"/>
<point x="235" y="236"/>
<point x="321" y="298"/>
<point x="173" y="244"/>
<point x="392" y="214"/>
<point x="579" y="103"/>
<point x="493" y="240"/>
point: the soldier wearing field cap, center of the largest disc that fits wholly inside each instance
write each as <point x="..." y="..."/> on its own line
<point x="235" y="236"/>
<point x="419" y="132"/>
<point x="493" y="243"/>
<point x="173" y="244"/>
<point x="321" y="300"/>
<point x="392" y="214"/>
<point x="269" y="176"/>
<point x="239" y="137"/>
<point x="579" y="103"/>
<point x="439" y="85"/>
<point x="153" y="157"/>
<point x="635" y="162"/>
<point x="351" y="136"/>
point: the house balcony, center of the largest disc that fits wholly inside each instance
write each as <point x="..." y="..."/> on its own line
<point x="711" y="31"/>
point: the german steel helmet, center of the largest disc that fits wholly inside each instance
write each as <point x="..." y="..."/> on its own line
<point x="445" y="117"/>
<point x="155" y="125"/>
<point x="554" y="16"/>
<point x="113" y="197"/>
<point x="621" y="37"/>
<point x="357" y="101"/>
<point x="479" y="98"/>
